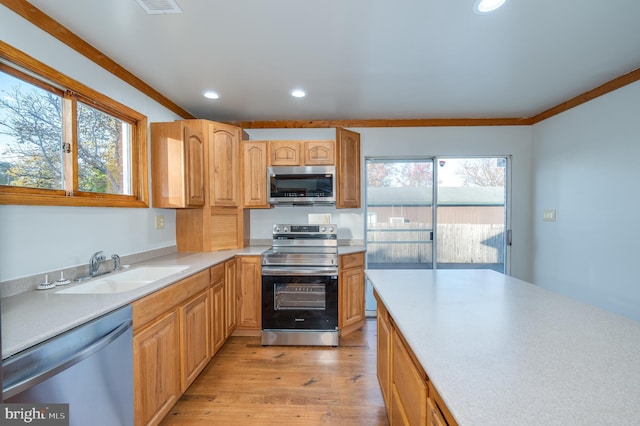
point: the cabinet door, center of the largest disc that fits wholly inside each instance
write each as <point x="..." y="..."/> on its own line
<point x="434" y="417"/>
<point x="217" y="304"/>
<point x="230" y="283"/>
<point x="319" y="153"/>
<point x="224" y="165"/>
<point x="347" y="169"/>
<point x="177" y="165"/>
<point x="254" y="165"/>
<point x="351" y="292"/>
<point x="409" y="389"/>
<point x="249" y="297"/>
<point x="437" y="411"/>
<point x="156" y="369"/>
<point x="217" y="317"/>
<point x="384" y="353"/>
<point x="352" y="288"/>
<point x="194" y="167"/>
<point x="194" y="338"/>
<point x="285" y="153"/>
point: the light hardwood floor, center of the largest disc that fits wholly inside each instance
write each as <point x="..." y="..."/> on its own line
<point x="247" y="384"/>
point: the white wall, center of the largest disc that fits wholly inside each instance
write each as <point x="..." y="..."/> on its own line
<point x="38" y="239"/>
<point x="423" y="141"/>
<point x="586" y="166"/>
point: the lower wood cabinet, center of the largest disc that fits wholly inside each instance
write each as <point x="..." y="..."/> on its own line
<point x="351" y="308"/>
<point x="170" y="345"/>
<point x="409" y="395"/>
<point x="249" y="297"/>
<point x="217" y="296"/>
<point x="194" y="338"/>
<point x="384" y="345"/>
<point x="230" y="299"/>
<point x="408" y="387"/>
<point x="434" y="417"/>
<point x="437" y="411"/>
<point x="156" y="369"/>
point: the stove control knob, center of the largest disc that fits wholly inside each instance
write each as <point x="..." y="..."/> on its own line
<point x="276" y="228"/>
<point x="285" y="229"/>
<point x="323" y="229"/>
<point x="331" y="229"/>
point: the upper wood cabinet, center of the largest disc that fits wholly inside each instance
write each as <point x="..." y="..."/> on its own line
<point x="224" y="165"/>
<point x="254" y="166"/>
<point x="347" y="169"/>
<point x="177" y="165"/>
<point x="302" y="153"/>
<point x="319" y="153"/>
<point x="285" y="153"/>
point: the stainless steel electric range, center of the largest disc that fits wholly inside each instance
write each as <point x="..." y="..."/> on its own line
<point x="300" y="286"/>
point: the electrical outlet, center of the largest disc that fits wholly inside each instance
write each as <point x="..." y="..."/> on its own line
<point x="160" y="221"/>
<point x="549" y="215"/>
<point x="324" y="218"/>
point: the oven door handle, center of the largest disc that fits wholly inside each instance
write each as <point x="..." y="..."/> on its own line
<point x="299" y="271"/>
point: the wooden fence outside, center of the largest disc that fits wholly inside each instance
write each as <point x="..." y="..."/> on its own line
<point x="457" y="243"/>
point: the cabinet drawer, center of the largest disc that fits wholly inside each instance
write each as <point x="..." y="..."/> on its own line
<point x="151" y="307"/>
<point x="354" y="260"/>
<point x="217" y="273"/>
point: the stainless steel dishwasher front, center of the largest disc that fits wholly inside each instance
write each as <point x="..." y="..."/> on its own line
<point x="89" y="367"/>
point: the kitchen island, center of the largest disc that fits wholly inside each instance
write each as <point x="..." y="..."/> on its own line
<point x="500" y="351"/>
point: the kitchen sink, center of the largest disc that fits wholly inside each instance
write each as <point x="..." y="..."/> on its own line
<point x="125" y="281"/>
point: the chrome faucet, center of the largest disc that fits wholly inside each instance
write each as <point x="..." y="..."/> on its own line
<point x="116" y="262"/>
<point x="94" y="263"/>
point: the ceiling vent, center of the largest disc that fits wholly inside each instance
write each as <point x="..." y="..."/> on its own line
<point x="159" y="7"/>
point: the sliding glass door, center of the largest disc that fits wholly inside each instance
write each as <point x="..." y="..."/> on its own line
<point x="400" y="214"/>
<point x="471" y="213"/>
<point x="445" y="213"/>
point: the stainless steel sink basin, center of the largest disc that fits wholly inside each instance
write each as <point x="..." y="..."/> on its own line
<point x="125" y="281"/>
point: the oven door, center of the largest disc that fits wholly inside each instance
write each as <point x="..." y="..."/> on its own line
<point x="304" y="300"/>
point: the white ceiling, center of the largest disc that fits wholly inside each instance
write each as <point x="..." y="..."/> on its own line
<point x="364" y="59"/>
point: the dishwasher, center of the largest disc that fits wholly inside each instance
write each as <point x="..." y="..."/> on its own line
<point x="89" y="367"/>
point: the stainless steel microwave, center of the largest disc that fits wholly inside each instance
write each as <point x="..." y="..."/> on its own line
<point x="301" y="185"/>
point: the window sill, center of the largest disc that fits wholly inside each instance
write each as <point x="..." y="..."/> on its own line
<point x="98" y="200"/>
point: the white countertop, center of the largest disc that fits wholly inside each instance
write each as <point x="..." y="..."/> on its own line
<point x="501" y="351"/>
<point x="35" y="316"/>
<point x="32" y="317"/>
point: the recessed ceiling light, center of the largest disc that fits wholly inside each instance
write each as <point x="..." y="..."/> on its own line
<point x="487" y="6"/>
<point x="298" y="93"/>
<point x="210" y="94"/>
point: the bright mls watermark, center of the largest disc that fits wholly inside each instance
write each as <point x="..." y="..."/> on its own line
<point x="34" y="414"/>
